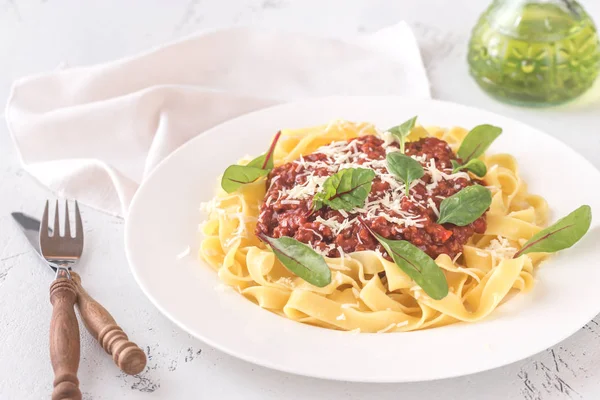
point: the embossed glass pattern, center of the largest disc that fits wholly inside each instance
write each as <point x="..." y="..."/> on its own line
<point x="534" y="53"/>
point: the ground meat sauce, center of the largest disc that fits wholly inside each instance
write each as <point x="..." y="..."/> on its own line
<point x="281" y="217"/>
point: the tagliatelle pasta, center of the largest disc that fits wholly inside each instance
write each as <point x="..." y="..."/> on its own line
<point x="368" y="292"/>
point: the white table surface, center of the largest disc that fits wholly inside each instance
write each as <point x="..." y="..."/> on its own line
<point x="37" y="36"/>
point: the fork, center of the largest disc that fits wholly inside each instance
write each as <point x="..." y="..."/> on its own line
<point x="62" y="252"/>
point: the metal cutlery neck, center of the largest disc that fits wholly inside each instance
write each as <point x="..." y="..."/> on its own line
<point x="62" y="272"/>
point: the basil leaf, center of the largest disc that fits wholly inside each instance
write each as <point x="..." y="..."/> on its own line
<point x="477" y="141"/>
<point x="300" y="259"/>
<point x="406" y="168"/>
<point x="475" y="166"/>
<point x="416" y="264"/>
<point x="238" y="175"/>
<point x="258" y="162"/>
<point x="465" y="206"/>
<point x="402" y="131"/>
<point x="561" y="235"/>
<point x="345" y="189"/>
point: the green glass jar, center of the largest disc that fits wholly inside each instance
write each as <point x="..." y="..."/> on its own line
<point x="534" y="52"/>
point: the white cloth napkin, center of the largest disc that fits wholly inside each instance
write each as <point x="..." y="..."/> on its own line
<point x="94" y="133"/>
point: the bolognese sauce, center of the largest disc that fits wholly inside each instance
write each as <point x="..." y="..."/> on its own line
<point x="287" y="209"/>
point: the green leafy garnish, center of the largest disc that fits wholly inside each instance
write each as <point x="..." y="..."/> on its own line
<point x="477" y="141"/>
<point x="474" y="145"/>
<point x="406" y="168"/>
<point x="300" y="259"/>
<point x="465" y="206"/>
<point x="561" y="235"/>
<point x="238" y="175"/>
<point x="345" y="189"/>
<point x="476" y="166"/>
<point x="402" y="131"/>
<point x="416" y="264"/>
<point x="261" y="162"/>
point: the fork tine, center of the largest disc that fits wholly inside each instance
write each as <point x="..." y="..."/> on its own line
<point x="67" y="222"/>
<point x="78" y="223"/>
<point x="56" y="221"/>
<point x="44" y="223"/>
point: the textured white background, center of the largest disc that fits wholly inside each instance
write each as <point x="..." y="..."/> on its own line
<point x="37" y="36"/>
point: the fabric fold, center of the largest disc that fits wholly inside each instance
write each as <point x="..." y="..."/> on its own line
<point x="95" y="133"/>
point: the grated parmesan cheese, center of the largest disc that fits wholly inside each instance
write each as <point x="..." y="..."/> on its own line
<point x="335" y="225"/>
<point x="387" y="328"/>
<point x="500" y="248"/>
<point x="288" y="201"/>
<point x="286" y="281"/>
<point x="211" y="252"/>
<point x="433" y="207"/>
<point x="317" y="233"/>
<point x="184" y="253"/>
<point x="456" y="257"/>
<point x="221" y="287"/>
<point x="387" y="137"/>
<point x="325" y="253"/>
<point x="438" y="175"/>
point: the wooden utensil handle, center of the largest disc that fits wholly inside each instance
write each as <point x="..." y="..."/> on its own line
<point x="98" y="321"/>
<point x="64" y="340"/>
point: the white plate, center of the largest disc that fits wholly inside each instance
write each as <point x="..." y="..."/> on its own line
<point x="164" y="218"/>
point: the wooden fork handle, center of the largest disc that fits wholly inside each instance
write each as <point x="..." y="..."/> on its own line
<point x="98" y="321"/>
<point x="64" y="340"/>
